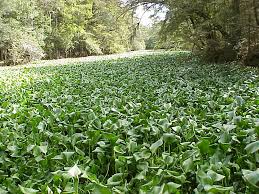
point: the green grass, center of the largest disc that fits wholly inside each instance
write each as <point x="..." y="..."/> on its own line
<point x="164" y="123"/>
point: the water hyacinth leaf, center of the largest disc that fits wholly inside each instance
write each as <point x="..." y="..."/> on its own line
<point x="28" y="190"/>
<point x="252" y="147"/>
<point x="74" y="171"/>
<point x="177" y="129"/>
<point x="80" y="152"/>
<point x="99" y="189"/>
<point x="111" y="137"/>
<point x="143" y="166"/>
<point x="164" y="123"/>
<point x="39" y="158"/>
<point x="97" y="124"/>
<point x="204" y="178"/>
<point x="188" y="165"/>
<point x="172" y="187"/>
<point x="68" y="155"/>
<point x="49" y="191"/>
<point x="156" y="145"/>
<point x="170" y="138"/>
<point x="69" y="188"/>
<point x="3" y="191"/>
<point x="240" y="101"/>
<point x="225" y="138"/>
<point x="102" y="144"/>
<point x="141" y="175"/>
<point x="168" y="105"/>
<point x="150" y="185"/>
<point x="41" y="126"/>
<point x="180" y="178"/>
<point x="229" y="127"/>
<point x="204" y="146"/>
<point x="58" y="190"/>
<point x="168" y="159"/>
<point x="252" y="177"/>
<point x="118" y="149"/>
<point x="43" y="149"/>
<point x="98" y="150"/>
<point x="158" y="189"/>
<point x="30" y="148"/>
<point x="217" y="125"/>
<point x="116" y="179"/>
<point x="217" y="189"/>
<point x="90" y="176"/>
<point x="132" y="146"/>
<point x="57" y="157"/>
<point x="215" y="176"/>
<point x="144" y="154"/>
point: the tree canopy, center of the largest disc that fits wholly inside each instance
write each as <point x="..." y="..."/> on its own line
<point x="219" y="30"/>
<point x="222" y="30"/>
<point x="31" y="29"/>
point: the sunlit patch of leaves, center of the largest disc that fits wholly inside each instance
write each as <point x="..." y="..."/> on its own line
<point x="154" y="124"/>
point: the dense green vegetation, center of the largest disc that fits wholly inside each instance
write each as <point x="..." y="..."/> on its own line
<point x="160" y="123"/>
<point x="164" y="123"/>
<point x="33" y="29"/>
<point x="220" y="30"/>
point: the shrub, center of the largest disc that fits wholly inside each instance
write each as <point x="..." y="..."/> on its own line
<point x="22" y="48"/>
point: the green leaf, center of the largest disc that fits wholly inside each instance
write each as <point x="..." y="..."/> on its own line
<point x="91" y="177"/>
<point x="118" y="149"/>
<point x="204" y="146"/>
<point x="215" y="176"/>
<point x="141" y="175"/>
<point x="132" y="146"/>
<point x="225" y="138"/>
<point x="229" y="127"/>
<point x="252" y="177"/>
<point x="28" y="190"/>
<point x="116" y="179"/>
<point x="170" y="138"/>
<point x="168" y="159"/>
<point x="57" y="157"/>
<point x="97" y="124"/>
<point x="74" y="171"/>
<point x="188" y="165"/>
<point x="172" y="187"/>
<point x="68" y="155"/>
<point x="252" y="147"/>
<point x="49" y="190"/>
<point x="3" y="191"/>
<point x="30" y="148"/>
<point x="144" y="154"/>
<point x="41" y="126"/>
<point x="43" y="149"/>
<point x="98" y="189"/>
<point x="80" y="152"/>
<point x="156" y="145"/>
<point x="164" y="123"/>
<point x="203" y="178"/>
<point x="217" y="189"/>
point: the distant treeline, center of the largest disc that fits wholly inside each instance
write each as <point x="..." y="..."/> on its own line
<point x="32" y="29"/>
<point x="220" y="30"/>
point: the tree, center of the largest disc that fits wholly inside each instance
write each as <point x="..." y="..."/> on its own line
<point x="20" y="39"/>
<point x="219" y="30"/>
<point x="110" y="30"/>
<point x="32" y="29"/>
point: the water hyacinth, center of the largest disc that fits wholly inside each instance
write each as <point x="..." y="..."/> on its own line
<point x="157" y="123"/>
